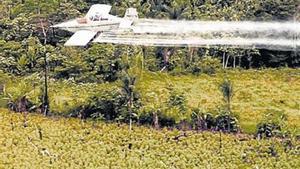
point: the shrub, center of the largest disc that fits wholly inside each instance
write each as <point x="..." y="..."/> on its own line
<point x="177" y="99"/>
<point x="164" y="120"/>
<point x="103" y="104"/>
<point x="226" y="122"/>
<point x="207" y="65"/>
<point x="226" y="87"/>
<point x="202" y="120"/>
<point x="145" y="118"/>
<point x="22" y="95"/>
<point x="21" y="105"/>
<point x="130" y="100"/>
<point x="267" y="129"/>
<point x="271" y="125"/>
<point x="184" y="125"/>
<point x="110" y="105"/>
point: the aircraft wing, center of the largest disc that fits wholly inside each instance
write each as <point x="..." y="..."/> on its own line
<point x="81" y="38"/>
<point x="125" y="23"/>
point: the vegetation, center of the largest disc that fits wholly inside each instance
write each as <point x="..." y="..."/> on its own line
<point x="222" y="92"/>
<point x="172" y="98"/>
<point x="71" y="143"/>
<point x="25" y="37"/>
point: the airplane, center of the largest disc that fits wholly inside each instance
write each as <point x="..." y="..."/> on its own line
<point x="96" y="20"/>
<point x="99" y="26"/>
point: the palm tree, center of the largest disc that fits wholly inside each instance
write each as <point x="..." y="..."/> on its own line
<point x="227" y="90"/>
<point x="128" y="89"/>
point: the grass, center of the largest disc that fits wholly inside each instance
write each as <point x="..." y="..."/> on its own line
<point x="71" y="143"/>
<point x="256" y="92"/>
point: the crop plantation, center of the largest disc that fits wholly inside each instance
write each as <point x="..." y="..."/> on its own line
<point x="71" y="143"/>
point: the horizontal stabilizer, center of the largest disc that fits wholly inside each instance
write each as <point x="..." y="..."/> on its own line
<point x="81" y="38"/>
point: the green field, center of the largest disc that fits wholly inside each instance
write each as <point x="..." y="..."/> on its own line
<point x="256" y="92"/>
<point x="71" y="143"/>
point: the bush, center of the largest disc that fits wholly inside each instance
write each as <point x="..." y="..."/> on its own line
<point x="202" y="120"/>
<point x="21" y="105"/>
<point x="166" y="121"/>
<point x="110" y="105"/>
<point x="267" y="129"/>
<point x="207" y="65"/>
<point x="22" y="94"/>
<point x="178" y="100"/>
<point x="272" y="124"/>
<point x="226" y="122"/>
<point x="226" y="87"/>
<point x="184" y="125"/>
<point x="105" y="104"/>
<point x="147" y="118"/>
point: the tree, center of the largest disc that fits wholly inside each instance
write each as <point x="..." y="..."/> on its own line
<point x="156" y="106"/>
<point x="276" y="10"/>
<point x="128" y="87"/>
<point x="226" y="88"/>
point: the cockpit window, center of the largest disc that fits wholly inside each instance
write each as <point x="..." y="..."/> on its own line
<point x="97" y="17"/>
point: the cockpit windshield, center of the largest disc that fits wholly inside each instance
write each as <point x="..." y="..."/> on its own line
<point x="98" y="17"/>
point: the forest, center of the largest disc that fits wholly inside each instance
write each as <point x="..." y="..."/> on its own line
<point x="244" y="102"/>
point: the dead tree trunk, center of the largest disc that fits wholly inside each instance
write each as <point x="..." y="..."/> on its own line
<point x="234" y="61"/>
<point x="45" y="107"/>
<point x="155" y="120"/>
<point x="224" y="55"/>
<point x="166" y="58"/>
<point x="227" y="60"/>
<point x="191" y="54"/>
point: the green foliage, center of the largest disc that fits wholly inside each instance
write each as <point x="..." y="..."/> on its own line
<point x="22" y="95"/>
<point x="153" y="96"/>
<point x="73" y="91"/>
<point x="177" y="99"/>
<point x="24" y="57"/>
<point x="276" y="10"/>
<point x="22" y="23"/>
<point x="73" y="71"/>
<point x="272" y="124"/>
<point x="98" y="145"/>
<point x="207" y="65"/>
<point x="71" y="66"/>
<point x="104" y="104"/>
<point x="103" y="62"/>
<point x="226" y="87"/>
<point x="202" y="120"/>
<point x="226" y="122"/>
<point x="223" y="121"/>
<point x="131" y="102"/>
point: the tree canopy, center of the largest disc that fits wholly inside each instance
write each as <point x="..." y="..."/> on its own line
<point x="26" y="36"/>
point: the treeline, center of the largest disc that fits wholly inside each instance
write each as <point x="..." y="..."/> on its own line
<point x="25" y="38"/>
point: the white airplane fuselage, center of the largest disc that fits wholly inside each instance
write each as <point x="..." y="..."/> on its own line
<point x="95" y="26"/>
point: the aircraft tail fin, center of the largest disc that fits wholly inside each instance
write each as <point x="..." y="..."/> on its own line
<point x="131" y="13"/>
